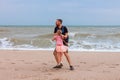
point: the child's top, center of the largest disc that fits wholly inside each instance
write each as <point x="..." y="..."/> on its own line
<point x="59" y="41"/>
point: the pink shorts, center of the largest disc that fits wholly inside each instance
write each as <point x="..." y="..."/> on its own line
<point x="61" y="48"/>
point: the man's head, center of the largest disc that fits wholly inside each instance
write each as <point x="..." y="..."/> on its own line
<point x="58" y="22"/>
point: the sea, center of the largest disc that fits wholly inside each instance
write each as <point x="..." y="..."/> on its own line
<point x="39" y="37"/>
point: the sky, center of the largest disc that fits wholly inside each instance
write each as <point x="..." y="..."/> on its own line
<point x="73" y="12"/>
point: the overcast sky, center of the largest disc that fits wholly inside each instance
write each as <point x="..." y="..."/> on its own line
<point x="73" y="12"/>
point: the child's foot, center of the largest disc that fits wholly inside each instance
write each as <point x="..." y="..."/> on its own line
<point x="71" y="68"/>
<point x="59" y="66"/>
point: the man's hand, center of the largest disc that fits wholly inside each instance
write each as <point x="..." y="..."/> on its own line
<point x="63" y="36"/>
<point x="66" y="35"/>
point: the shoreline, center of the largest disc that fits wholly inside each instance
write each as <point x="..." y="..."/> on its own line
<point x="20" y="49"/>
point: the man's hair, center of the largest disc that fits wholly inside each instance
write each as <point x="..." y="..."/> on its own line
<point x="60" y="20"/>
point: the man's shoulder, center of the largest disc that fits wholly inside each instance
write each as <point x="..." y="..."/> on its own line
<point x="64" y="26"/>
<point x="55" y="27"/>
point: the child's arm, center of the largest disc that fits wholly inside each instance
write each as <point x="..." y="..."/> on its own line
<point x="53" y="38"/>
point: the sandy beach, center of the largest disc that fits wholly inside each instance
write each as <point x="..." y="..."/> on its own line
<point x="37" y="65"/>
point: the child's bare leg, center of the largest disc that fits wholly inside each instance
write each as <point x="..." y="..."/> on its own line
<point x="59" y="60"/>
<point x="61" y="54"/>
<point x="59" y="57"/>
<point x="55" y="55"/>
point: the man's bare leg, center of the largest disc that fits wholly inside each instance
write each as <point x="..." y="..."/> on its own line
<point x="69" y="60"/>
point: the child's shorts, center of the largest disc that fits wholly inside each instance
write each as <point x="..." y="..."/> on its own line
<point x="61" y="48"/>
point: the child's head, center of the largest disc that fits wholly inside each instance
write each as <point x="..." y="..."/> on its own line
<point x="59" y="32"/>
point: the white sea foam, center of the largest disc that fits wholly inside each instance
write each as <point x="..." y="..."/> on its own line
<point x="5" y="43"/>
<point x="81" y="39"/>
<point x="80" y="45"/>
<point x="72" y="34"/>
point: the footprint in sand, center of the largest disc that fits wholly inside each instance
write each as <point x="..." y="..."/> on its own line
<point x="44" y="63"/>
<point x="56" y="79"/>
<point x="83" y="62"/>
<point x="77" y="65"/>
<point x="49" y="74"/>
<point x="23" y="76"/>
<point x="37" y="69"/>
<point x="2" y="68"/>
<point x="89" y="70"/>
<point x="13" y="63"/>
<point x="45" y="70"/>
<point x="95" y="65"/>
<point x="115" y="64"/>
<point x="37" y="61"/>
<point x="28" y="62"/>
<point x="102" y="63"/>
<point x="112" y="67"/>
<point x="16" y="69"/>
<point x="21" y="60"/>
<point x="104" y="71"/>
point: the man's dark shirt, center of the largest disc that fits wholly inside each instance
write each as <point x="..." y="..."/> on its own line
<point x="64" y="31"/>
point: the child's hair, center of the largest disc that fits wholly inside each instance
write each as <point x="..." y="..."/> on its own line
<point x="59" y="32"/>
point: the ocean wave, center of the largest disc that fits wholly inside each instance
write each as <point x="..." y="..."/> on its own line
<point x="94" y="35"/>
<point x="5" y="43"/>
<point x="80" y="35"/>
<point x="94" y="45"/>
<point x="115" y="34"/>
<point x="81" y="39"/>
<point x="78" y="45"/>
<point x="24" y="43"/>
<point x="44" y="36"/>
<point x="4" y="30"/>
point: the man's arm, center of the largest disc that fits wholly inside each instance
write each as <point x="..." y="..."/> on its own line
<point x="66" y="33"/>
<point x="55" y="30"/>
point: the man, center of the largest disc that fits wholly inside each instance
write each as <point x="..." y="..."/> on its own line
<point x="65" y="42"/>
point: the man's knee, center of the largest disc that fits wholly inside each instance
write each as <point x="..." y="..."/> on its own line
<point x="66" y="52"/>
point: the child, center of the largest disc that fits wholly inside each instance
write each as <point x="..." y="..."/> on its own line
<point x="60" y="48"/>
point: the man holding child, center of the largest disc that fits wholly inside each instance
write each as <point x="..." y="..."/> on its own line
<point x="61" y="46"/>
